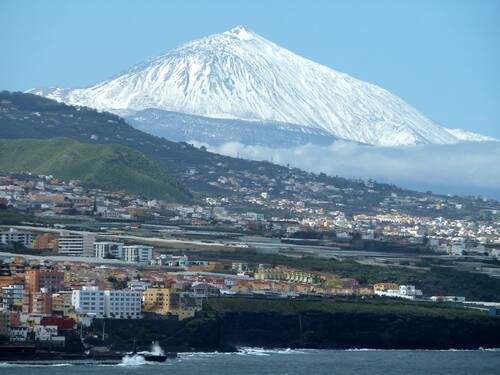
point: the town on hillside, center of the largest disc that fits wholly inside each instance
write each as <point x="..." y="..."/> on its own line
<point x="72" y="255"/>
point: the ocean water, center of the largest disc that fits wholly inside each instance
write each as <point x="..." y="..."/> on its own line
<point x="293" y="362"/>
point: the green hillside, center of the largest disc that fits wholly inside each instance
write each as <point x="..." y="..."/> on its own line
<point x="110" y="167"/>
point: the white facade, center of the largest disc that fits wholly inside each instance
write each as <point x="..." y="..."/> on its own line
<point x="105" y="250"/>
<point x="171" y="260"/>
<point x="404" y="291"/>
<point x="119" y="304"/>
<point x="89" y="301"/>
<point x="76" y="243"/>
<point x="12" y="235"/>
<point x="12" y="295"/>
<point x="409" y="291"/>
<point x="138" y="254"/>
<point x="138" y="286"/>
<point x="45" y="333"/>
<point x="123" y="304"/>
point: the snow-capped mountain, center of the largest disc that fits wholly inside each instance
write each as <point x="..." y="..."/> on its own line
<point x="240" y="75"/>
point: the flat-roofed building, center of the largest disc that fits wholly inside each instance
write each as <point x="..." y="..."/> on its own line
<point x="12" y="297"/>
<point x="89" y="301"/>
<point x="168" y="301"/>
<point x="123" y="304"/>
<point x="76" y="243"/>
<point x="138" y="254"/>
<point x="118" y="304"/>
<point x="108" y="250"/>
<point x="14" y="236"/>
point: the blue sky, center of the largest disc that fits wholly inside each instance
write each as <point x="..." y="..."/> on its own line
<point x="442" y="57"/>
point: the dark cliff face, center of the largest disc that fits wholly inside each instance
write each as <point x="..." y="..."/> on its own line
<point x="229" y="330"/>
<point x="321" y="330"/>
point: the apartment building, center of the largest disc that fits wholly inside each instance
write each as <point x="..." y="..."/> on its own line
<point x="76" y="243"/>
<point x="12" y="297"/>
<point x="168" y="301"/>
<point x="138" y="254"/>
<point x="39" y="284"/>
<point x="89" y="301"/>
<point x="61" y="302"/>
<point x="46" y="241"/>
<point x="119" y="304"/>
<point x="51" y="280"/>
<point x="108" y="250"/>
<point x="41" y="303"/>
<point x="14" y="236"/>
<point x="123" y="304"/>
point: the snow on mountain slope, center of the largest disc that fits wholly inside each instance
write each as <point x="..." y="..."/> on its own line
<point x="467" y="136"/>
<point x="240" y="75"/>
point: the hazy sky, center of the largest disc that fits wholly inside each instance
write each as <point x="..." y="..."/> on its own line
<point x="442" y="57"/>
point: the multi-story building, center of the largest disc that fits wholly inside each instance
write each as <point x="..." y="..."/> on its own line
<point x="76" y="243"/>
<point x="51" y="280"/>
<point x="168" y="301"/>
<point x="61" y="302"/>
<point x="13" y="297"/>
<point x="14" y="236"/>
<point x="138" y="254"/>
<point x="119" y="304"/>
<point x="89" y="301"/>
<point x="46" y="241"/>
<point x="108" y="250"/>
<point x="41" y="303"/>
<point x="123" y="304"/>
<point x="39" y="284"/>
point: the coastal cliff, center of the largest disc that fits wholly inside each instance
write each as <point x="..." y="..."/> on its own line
<point x="228" y="323"/>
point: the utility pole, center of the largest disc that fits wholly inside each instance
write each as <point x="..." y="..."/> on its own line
<point x="103" y="328"/>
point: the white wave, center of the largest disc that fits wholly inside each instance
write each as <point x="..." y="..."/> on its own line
<point x="10" y="364"/>
<point x="133" y="360"/>
<point x="265" y="352"/>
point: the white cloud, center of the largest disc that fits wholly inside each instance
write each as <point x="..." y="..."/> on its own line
<point x="464" y="168"/>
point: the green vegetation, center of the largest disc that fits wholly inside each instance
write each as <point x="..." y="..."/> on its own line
<point x="339" y="305"/>
<point x="13" y="216"/>
<point x="109" y="167"/>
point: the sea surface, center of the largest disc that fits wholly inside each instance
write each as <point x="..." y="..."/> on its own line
<point x="261" y="362"/>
